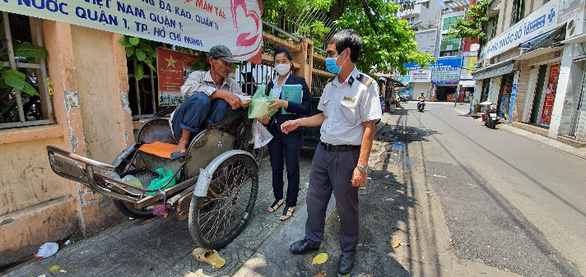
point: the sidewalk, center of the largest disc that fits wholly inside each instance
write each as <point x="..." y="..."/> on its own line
<point x="162" y="247"/>
<point x="579" y="152"/>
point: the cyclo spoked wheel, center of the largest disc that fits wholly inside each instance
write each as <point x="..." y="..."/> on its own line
<point x="216" y="219"/>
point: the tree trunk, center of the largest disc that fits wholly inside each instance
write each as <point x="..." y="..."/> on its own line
<point x="368" y="14"/>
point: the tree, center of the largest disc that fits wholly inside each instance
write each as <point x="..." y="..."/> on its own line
<point x="387" y="40"/>
<point x="387" y="45"/>
<point x="471" y="25"/>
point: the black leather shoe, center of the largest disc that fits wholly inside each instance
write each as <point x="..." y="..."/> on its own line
<point x="303" y="246"/>
<point x="345" y="264"/>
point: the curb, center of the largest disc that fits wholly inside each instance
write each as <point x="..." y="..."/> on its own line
<point x="580" y="153"/>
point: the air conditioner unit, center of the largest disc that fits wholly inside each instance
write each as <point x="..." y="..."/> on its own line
<point x="575" y="26"/>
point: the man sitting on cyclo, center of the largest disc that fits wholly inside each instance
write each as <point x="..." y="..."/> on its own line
<point x="209" y="97"/>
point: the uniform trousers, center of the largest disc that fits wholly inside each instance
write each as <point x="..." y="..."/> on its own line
<point x="197" y="110"/>
<point x="332" y="171"/>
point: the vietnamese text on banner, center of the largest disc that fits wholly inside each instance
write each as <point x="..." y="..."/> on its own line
<point x="195" y="24"/>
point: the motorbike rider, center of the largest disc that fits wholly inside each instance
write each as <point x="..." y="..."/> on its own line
<point x="421" y="97"/>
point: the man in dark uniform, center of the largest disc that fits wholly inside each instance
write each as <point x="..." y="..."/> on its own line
<point x="350" y="109"/>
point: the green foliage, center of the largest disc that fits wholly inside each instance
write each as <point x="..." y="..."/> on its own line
<point x="391" y="45"/>
<point x="394" y="43"/>
<point x="17" y="79"/>
<point x="471" y="25"/>
<point x="140" y="51"/>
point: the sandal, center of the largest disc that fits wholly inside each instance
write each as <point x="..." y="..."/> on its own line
<point x="287" y="213"/>
<point x="210" y="257"/>
<point x="275" y="206"/>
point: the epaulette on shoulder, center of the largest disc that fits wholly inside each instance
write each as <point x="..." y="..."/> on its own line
<point x="365" y="79"/>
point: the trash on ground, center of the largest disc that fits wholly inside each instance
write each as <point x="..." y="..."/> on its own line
<point x="47" y="250"/>
<point x="68" y="242"/>
<point x="362" y="187"/>
<point x="385" y="187"/>
<point x="210" y="257"/>
<point x="320" y="258"/>
<point x="390" y="199"/>
<point x="402" y="244"/>
<point x="53" y="268"/>
<point x="62" y="271"/>
<point x="323" y="273"/>
<point x="395" y="243"/>
<point x="387" y="176"/>
<point x="440" y="176"/>
<point x="159" y="210"/>
<point x="368" y="178"/>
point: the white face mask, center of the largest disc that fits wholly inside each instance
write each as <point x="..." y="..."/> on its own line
<point x="283" y="68"/>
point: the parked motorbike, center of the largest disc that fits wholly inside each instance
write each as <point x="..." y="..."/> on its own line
<point x="490" y="117"/>
<point x="421" y="105"/>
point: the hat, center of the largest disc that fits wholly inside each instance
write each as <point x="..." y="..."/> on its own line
<point x="222" y="52"/>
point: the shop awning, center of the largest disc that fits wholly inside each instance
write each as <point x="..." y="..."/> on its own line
<point x="494" y="70"/>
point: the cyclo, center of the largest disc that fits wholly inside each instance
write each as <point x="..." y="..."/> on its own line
<point x="217" y="179"/>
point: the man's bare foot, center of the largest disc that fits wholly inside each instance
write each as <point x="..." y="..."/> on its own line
<point x="181" y="147"/>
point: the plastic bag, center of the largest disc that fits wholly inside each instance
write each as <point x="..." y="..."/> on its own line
<point x="259" y="106"/>
<point x="262" y="136"/>
<point x="158" y="183"/>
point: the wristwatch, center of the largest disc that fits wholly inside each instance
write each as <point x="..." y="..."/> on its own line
<point x="362" y="169"/>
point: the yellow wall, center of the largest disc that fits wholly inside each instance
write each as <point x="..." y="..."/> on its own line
<point x="89" y="77"/>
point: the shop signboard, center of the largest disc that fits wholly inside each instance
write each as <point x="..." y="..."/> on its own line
<point x="420" y="75"/>
<point x="439" y="64"/>
<point x="552" y="81"/>
<point x="172" y="70"/>
<point x="539" y="22"/>
<point x="513" y="95"/>
<point x="198" y="25"/>
<point x="445" y="77"/>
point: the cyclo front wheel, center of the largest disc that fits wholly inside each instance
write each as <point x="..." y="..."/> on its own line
<point x="218" y="218"/>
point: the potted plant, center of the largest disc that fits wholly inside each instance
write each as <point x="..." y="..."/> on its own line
<point x="476" y="108"/>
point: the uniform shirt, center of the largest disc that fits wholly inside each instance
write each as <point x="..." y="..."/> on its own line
<point x="201" y="81"/>
<point x="277" y="88"/>
<point x="346" y="106"/>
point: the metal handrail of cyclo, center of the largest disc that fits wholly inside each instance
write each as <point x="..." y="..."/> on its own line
<point x="88" y="176"/>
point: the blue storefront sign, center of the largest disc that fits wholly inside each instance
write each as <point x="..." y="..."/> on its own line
<point x="440" y="64"/>
<point x="539" y="22"/>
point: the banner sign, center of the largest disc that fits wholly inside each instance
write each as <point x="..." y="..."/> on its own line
<point x="439" y="64"/>
<point x="552" y="82"/>
<point x="539" y="22"/>
<point x="173" y="68"/>
<point x="513" y="95"/>
<point x="195" y="24"/>
<point x="445" y="77"/>
<point x="420" y="75"/>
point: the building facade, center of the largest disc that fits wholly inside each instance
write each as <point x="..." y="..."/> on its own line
<point x="532" y="66"/>
<point x="441" y="81"/>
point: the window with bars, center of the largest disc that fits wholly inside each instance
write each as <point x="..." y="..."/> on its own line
<point x="24" y="93"/>
<point x="493" y="24"/>
<point x="518" y="11"/>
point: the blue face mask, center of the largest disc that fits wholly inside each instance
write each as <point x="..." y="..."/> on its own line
<point x="331" y="64"/>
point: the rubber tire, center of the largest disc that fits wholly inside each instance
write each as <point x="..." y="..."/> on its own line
<point x="121" y="206"/>
<point x="198" y="202"/>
